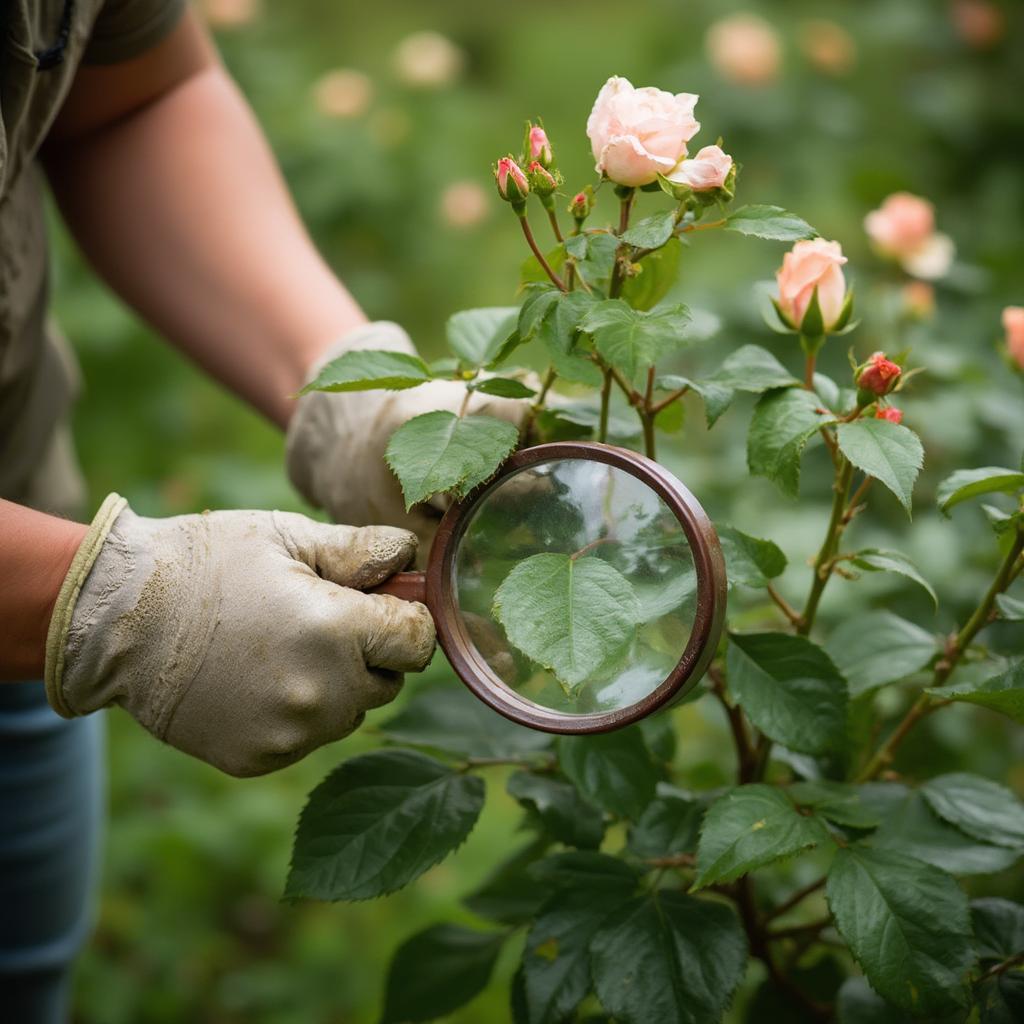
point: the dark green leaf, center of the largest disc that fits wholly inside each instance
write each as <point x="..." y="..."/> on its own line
<point x="859" y="1004"/>
<point x="475" y="335"/>
<point x="574" y="616"/>
<point x="379" y="821"/>
<point x="784" y="421"/>
<point x="749" y="827"/>
<point x="659" y="271"/>
<point x="632" y="340"/>
<point x="754" y="369"/>
<point x="750" y="561"/>
<point x="971" y="483"/>
<point x="790" y="689"/>
<point x="584" y="869"/>
<point x="451" y="719"/>
<point x="1003" y="692"/>
<point x="439" y="452"/>
<point x="907" y="925"/>
<point x="369" y="369"/>
<point x="980" y="807"/>
<point x="670" y="959"/>
<point x="503" y="387"/>
<point x="998" y="928"/>
<point x="651" y="232"/>
<point x="838" y="801"/>
<point x="1001" y="998"/>
<point x="889" y="452"/>
<point x="659" y="734"/>
<point x="437" y="971"/>
<point x="669" y="825"/>
<point x="613" y="770"/>
<point x="554" y="320"/>
<point x="771" y="222"/>
<point x="878" y="648"/>
<point x="510" y="894"/>
<point x="880" y="560"/>
<point x="560" y="808"/>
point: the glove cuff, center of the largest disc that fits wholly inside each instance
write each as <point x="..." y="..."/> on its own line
<point x="60" y="622"/>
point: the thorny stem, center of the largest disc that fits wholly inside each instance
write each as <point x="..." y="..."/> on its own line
<point x="625" y="206"/>
<point x="545" y="266"/>
<point x="664" y="403"/>
<point x="784" y="606"/>
<point x="809" y="365"/>
<point x="553" y="218"/>
<point x="955" y="650"/>
<point x="464" y="408"/>
<point x="737" y="725"/>
<point x="858" y="497"/>
<point x="647" y="417"/>
<point x="538" y="403"/>
<point x="996" y="969"/>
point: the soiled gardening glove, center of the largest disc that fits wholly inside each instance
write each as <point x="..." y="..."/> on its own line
<point x="241" y="638"/>
<point x="336" y="441"/>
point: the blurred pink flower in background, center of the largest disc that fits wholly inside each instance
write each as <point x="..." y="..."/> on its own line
<point x="903" y="228"/>
<point x="744" y="48"/>
<point x="1013" y="324"/>
<point x="812" y="263"/>
<point x="428" y="60"/>
<point x="890" y="413"/>
<point x="637" y="134"/>
<point x="828" y="46"/>
<point x="343" y="92"/>
<point x="708" y="169"/>
<point x="919" y="299"/>
<point x="464" y="204"/>
<point x="229" y="13"/>
<point x="980" y="23"/>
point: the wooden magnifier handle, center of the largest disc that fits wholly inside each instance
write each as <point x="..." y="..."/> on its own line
<point x="406" y="586"/>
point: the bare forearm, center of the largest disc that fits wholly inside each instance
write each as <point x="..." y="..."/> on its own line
<point x="35" y="553"/>
<point x="182" y="208"/>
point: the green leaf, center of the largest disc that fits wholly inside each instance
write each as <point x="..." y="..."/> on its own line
<point x="859" y="1004"/>
<point x="475" y="335"/>
<point x="891" y="453"/>
<point x="749" y="827"/>
<point x="554" y="319"/>
<point x="439" y="452"/>
<point x="880" y="560"/>
<point x="910" y="827"/>
<point x="790" y="689"/>
<point x="1002" y="522"/>
<point x="750" y="561"/>
<point x="754" y="369"/>
<point x="878" y="648"/>
<point x="503" y="387"/>
<point x="998" y="928"/>
<point x="784" y="421"/>
<point x="1000" y="999"/>
<point x="613" y="770"/>
<point x="668" y="958"/>
<point x="979" y="807"/>
<point x="839" y="802"/>
<point x="370" y="369"/>
<point x="971" y="483"/>
<point x="437" y="971"/>
<point x="716" y="397"/>
<point x="510" y="894"/>
<point x="377" y="822"/>
<point x="632" y="340"/>
<point x="587" y="870"/>
<point x="669" y="825"/>
<point x="652" y="231"/>
<point x="451" y="719"/>
<point x="1003" y="692"/>
<point x="563" y="812"/>
<point x="574" y="616"/>
<point x="771" y="222"/>
<point x="1011" y="609"/>
<point x="907" y="925"/>
<point x="659" y="271"/>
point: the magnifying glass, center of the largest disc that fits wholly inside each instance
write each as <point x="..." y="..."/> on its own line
<point x="579" y="590"/>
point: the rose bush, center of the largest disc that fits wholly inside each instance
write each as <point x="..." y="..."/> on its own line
<point x="642" y="893"/>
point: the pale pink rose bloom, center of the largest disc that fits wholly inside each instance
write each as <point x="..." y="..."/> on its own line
<point x="708" y="169"/>
<point x="811" y="264"/>
<point x="1013" y="324"/>
<point x="637" y="134"/>
<point x="229" y="13"/>
<point x="464" y="204"/>
<point x="828" y="46"/>
<point x="428" y="60"/>
<point x="744" y="48"/>
<point x="933" y="259"/>
<point x="342" y="93"/>
<point x="903" y="228"/>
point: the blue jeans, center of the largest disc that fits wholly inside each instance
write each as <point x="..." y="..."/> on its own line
<point x="52" y="797"/>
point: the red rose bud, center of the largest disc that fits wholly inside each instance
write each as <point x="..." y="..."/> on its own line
<point x="581" y="204"/>
<point x="538" y="145"/>
<point x="513" y="185"/>
<point x="890" y="413"/>
<point x="542" y="181"/>
<point x="879" y="375"/>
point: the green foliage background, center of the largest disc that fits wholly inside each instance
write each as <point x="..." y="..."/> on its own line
<point x="191" y="925"/>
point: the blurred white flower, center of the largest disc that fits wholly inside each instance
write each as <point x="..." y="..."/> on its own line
<point x="428" y="60"/>
<point x="229" y="13"/>
<point x="933" y="259"/>
<point x="343" y="92"/>
<point x="464" y="204"/>
<point x="828" y="46"/>
<point x="744" y="48"/>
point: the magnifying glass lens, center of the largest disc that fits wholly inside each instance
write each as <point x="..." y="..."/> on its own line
<point x="576" y="584"/>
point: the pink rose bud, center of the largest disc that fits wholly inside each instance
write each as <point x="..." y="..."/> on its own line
<point x="744" y="49"/>
<point x="513" y="185"/>
<point x="637" y="134"/>
<point x="903" y="228"/>
<point x="1013" y="324"/>
<point x="890" y="413"/>
<point x="708" y="170"/>
<point x="809" y="265"/>
<point x="879" y="375"/>
<point x="539" y="146"/>
<point x="581" y="204"/>
<point x="542" y="181"/>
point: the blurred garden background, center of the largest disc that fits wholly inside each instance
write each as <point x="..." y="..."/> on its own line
<point x="386" y="119"/>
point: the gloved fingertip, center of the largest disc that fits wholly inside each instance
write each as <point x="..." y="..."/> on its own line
<point x="400" y="634"/>
<point x="387" y="550"/>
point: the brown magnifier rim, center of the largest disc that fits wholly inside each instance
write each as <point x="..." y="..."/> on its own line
<point x="474" y="671"/>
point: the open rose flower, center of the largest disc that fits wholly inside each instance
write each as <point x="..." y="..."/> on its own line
<point x="705" y="171"/>
<point x="903" y="228"/>
<point x="637" y="134"/>
<point x="1013" y="324"/>
<point x="809" y="265"/>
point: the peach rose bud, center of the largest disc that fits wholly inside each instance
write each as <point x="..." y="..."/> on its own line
<point x="705" y="171"/>
<point x="539" y="146"/>
<point x="890" y="413"/>
<point x="812" y="264"/>
<point x="744" y="49"/>
<point x="879" y="375"/>
<point x="1013" y="324"/>
<point x="513" y="185"/>
<point x="637" y="134"/>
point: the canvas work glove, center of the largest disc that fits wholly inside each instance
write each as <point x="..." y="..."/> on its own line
<point x="241" y="638"/>
<point x="336" y="441"/>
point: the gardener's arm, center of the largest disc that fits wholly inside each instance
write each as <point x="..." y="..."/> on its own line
<point x="171" y="190"/>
